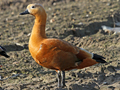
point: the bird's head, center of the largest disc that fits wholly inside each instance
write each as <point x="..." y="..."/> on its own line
<point x="36" y="10"/>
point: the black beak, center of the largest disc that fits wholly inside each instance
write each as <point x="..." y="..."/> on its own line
<point x="25" y="12"/>
<point x="3" y="53"/>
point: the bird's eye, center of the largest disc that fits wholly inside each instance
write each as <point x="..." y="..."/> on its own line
<point x="33" y="6"/>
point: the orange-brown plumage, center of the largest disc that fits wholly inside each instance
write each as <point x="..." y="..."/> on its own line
<point x="55" y="53"/>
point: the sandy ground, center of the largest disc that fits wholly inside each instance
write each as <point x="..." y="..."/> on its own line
<point x="76" y="21"/>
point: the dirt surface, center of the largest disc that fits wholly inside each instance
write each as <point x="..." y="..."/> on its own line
<point x="76" y="21"/>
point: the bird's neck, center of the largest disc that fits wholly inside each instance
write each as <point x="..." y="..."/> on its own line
<point x="38" y="32"/>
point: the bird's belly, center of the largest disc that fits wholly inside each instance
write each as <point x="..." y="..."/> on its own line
<point x="53" y="57"/>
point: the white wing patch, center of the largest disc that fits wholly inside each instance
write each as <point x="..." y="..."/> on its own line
<point x="40" y="47"/>
<point x="87" y="52"/>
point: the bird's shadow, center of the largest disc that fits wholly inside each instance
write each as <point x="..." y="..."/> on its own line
<point x="14" y="47"/>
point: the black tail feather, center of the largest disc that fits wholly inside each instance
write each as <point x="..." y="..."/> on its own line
<point x="100" y="61"/>
<point x="99" y="58"/>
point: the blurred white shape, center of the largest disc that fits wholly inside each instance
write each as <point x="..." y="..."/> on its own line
<point x="117" y="23"/>
<point x="104" y="83"/>
<point x="110" y="29"/>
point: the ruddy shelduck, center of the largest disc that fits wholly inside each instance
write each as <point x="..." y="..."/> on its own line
<point x="3" y="52"/>
<point x="55" y="53"/>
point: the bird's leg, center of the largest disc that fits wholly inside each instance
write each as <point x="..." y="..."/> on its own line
<point x="63" y="78"/>
<point x="59" y="78"/>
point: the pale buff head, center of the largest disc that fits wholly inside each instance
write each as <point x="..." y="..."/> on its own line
<point x="36" y="10"/>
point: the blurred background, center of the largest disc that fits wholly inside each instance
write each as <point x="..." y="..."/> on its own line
<point x="90" y="24"/>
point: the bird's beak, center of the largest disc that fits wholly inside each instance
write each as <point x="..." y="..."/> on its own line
<point x="25" y="12"/>
<point x="4" y="54"/>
